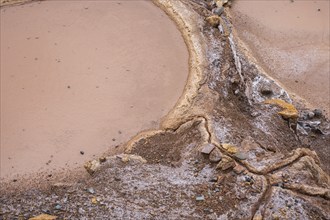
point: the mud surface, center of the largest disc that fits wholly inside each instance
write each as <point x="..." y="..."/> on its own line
<point x="236" y="146"/>
<point x="291" y="41"/>
<point x="78" y="77"/>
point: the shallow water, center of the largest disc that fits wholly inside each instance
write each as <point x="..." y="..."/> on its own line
<point x="291" y="41"/>
<point x="83" y="76"/>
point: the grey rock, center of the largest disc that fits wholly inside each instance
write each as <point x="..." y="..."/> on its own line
<point x="266" y="90"/>
<point x="91" y="190"/>
<point x="200" y="198"/>
<point x="213" y="180"/>
<point x="226" y="163"/>
<point x="218" y="11"/>
<point x="249" y="179"/>
<point x="241" y="155"/>
<point x="215" y="156"/>
<point x="58" y="207"/>
<point x="81" y="211"/>
<point x="317" y="113"/>
<point x="310" y="115"/>
<point x="207" y="148"/>
<point x="255" y="114"/>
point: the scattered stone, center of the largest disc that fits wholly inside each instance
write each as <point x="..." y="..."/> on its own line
<point x="221" y="3"/>
<point x="255" y="114"/>
<point x="81" y="211"/>
<point x="249" y="179"/>
<point x="207" y="148"/>
<point x="226" y="163"/>
<point x="214" y="179"/>
<point x="310" y="115"/>
<point x="288" y="110"/>
<point x="91" y="190"/>
<point x="207" y="210"/>
<point x="266" y="90"/>
<point x="200" y="198"/>
<point x="94" y="200"/>
<point x="220" y="179"/>
<point x="58" y="207"/>
<point x="43" y="217"/>
<point x="92" y="166"/>
<point x="218" y="11"/>
<point x="229" y="148"/>
<point x="130" y="157"/>
<point x="238" y="169"/>
<point x="82" y="152"/>
<point x="215" y="156"/>
<point x="241" y="155"/>
<point x="102" y="159"/>
<point x="317" y="113"/>
<point x="259" y="217"/>
<point x="125" y="159"/>
<point x="213" y="20"/>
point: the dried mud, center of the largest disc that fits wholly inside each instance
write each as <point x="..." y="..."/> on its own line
<point x="271" y="167"/>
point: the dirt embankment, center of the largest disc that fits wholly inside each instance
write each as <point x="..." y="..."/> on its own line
<point x="225" y="152"/>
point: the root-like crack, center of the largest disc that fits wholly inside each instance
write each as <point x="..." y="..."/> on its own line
<point x="262" y="199"/>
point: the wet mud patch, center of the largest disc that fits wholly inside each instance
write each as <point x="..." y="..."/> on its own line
<point x="77" y="79"/>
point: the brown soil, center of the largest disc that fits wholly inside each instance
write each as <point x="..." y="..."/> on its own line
<point x="271" y="166"/>
<point x="78" y="78"/>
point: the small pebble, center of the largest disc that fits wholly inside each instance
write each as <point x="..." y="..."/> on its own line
<point x="310" y="115"/>
<point x="82" y="152"/>
<point x="102" y="159"/>
<point x="241" y="155"/>
<point x="200" y="198"/>
<point x="91" y="190"/>
<point x="317" y="113"/>
<point x="207" y="149"/>
<point x="248" y="179"/>
<point x="218" y="11"/>
<point x="213" y="180"/>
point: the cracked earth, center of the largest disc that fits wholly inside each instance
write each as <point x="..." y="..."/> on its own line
<point x="221" y="153"/>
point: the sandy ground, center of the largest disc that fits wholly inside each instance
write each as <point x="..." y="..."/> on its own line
<point x="291" y="41"/>
<point x="83" y="76"/>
